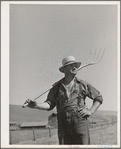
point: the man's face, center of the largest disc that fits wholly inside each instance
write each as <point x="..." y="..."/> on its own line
<point x="71" y="69"/>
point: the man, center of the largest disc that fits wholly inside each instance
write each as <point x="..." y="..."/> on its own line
<point x="68" y="95"/>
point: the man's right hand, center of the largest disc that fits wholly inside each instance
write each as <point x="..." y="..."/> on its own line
<point x="30" y="103"/>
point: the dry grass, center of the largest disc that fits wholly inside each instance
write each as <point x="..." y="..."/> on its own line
<point x="99" y="136"/>
<point x="104" y="135"/>
<point x="26" y="136"/>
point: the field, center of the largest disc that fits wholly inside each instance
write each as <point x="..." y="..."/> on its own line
<point x="106" y="134"/>
<point x="103" y="129"/>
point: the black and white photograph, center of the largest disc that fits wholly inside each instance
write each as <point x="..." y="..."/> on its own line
<point x="60" y="74"/>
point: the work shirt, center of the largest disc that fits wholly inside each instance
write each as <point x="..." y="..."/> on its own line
<point x="63" y="101"/>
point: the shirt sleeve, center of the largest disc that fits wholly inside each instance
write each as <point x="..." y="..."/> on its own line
<point x="51" y="99"/>
<point x="93" y="93"/>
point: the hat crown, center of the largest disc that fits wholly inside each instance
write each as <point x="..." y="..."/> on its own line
<point x="68" y="59"/>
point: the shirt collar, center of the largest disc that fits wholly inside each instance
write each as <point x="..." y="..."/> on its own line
<point x="76" y="80"/>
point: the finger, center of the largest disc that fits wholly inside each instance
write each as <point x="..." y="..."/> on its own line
<point x="28" y="100"/>
<point x="83" y="115"/>
<point x="80" y="109"/>
<point x="80" y="113"/>
<point x="32" y="101"/>
<point x="25" y="105"/>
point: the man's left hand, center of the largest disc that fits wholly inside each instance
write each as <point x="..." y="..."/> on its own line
<point x="85" y="113"/>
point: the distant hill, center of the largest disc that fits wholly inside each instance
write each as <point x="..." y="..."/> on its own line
<point x="104" y="116"/>
<point x="20" y="115"/>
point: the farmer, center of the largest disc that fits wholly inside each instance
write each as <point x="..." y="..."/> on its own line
<point x="68" y="95"/>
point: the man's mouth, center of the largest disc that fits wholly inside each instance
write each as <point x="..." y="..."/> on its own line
<point x="74" y="70"/>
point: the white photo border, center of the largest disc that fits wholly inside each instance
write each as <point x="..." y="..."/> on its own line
<point x="5" y="5"/>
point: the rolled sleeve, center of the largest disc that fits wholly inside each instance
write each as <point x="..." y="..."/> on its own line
<point x="94" y="94"/>
<point x="51" y="99"/>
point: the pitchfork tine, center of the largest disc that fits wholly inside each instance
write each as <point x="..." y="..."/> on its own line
<point x="94" y="59"/>
<point x="98" y="59"/>
<point x="101" y="56"/>
<point x="98" y="56"/>
<point x="90" y="58"/>
<point x="94" y="56"/>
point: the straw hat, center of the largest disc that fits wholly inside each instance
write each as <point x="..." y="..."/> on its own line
<point x="68" y="60"/>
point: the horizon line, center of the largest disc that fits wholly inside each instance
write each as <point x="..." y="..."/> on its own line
<point x="53" y="109"/>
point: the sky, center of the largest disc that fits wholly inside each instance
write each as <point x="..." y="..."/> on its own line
<point x="36" y="36"/>
<point x="41" y="35"/>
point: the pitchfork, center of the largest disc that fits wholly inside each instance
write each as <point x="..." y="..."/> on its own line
<point x="94" y="58"/>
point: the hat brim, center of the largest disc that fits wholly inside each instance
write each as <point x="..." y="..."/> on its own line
<point x="62" y="67"/>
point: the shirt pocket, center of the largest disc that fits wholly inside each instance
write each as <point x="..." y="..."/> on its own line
<point x="62" y="98"/>
<point x="61" y="94"/>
